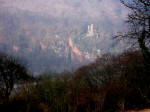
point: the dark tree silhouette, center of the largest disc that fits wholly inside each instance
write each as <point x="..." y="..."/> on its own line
<point x="139" y="25"/>
<point x="11" y="73"/>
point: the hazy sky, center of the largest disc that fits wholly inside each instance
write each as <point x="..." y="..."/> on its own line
<point x="94" y="8"/>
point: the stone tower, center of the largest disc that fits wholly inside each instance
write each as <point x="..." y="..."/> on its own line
<point x="90" y="30"/>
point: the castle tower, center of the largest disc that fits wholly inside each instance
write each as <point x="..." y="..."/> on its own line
<point x="90" y="30"/>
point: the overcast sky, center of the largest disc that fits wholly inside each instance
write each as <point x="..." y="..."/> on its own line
<point x="94" y="8"/>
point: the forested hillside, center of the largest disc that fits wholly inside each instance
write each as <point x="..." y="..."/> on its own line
<point x="43" y="40"/>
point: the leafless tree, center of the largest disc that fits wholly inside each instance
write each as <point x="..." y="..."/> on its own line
<point x="11" y="72"/>
<point x="139" y="26"/>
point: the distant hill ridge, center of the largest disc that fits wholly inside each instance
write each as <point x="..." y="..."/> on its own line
<point x="42" y="39"/>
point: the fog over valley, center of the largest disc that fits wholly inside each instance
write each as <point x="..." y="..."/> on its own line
<point x="64" y="34"/>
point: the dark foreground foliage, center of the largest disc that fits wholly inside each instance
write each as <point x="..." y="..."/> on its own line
<point x="11" y="73"/>
<point x="111" y="83"/>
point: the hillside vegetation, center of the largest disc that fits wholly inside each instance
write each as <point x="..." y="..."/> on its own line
<point x="111" y="83"/>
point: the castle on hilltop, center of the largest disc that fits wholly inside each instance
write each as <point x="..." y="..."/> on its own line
<point x="90" y="30"/>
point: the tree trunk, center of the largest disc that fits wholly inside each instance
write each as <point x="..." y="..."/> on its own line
<point x="145" y="51"/>
<point x="122" y="106"/>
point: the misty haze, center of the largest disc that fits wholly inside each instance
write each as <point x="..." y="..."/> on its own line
<point x="74" y="55"/>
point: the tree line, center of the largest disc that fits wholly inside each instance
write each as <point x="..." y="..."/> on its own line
<point x="113" y="82"/>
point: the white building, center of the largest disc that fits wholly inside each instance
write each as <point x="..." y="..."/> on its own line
<point x="90" y="30"/>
